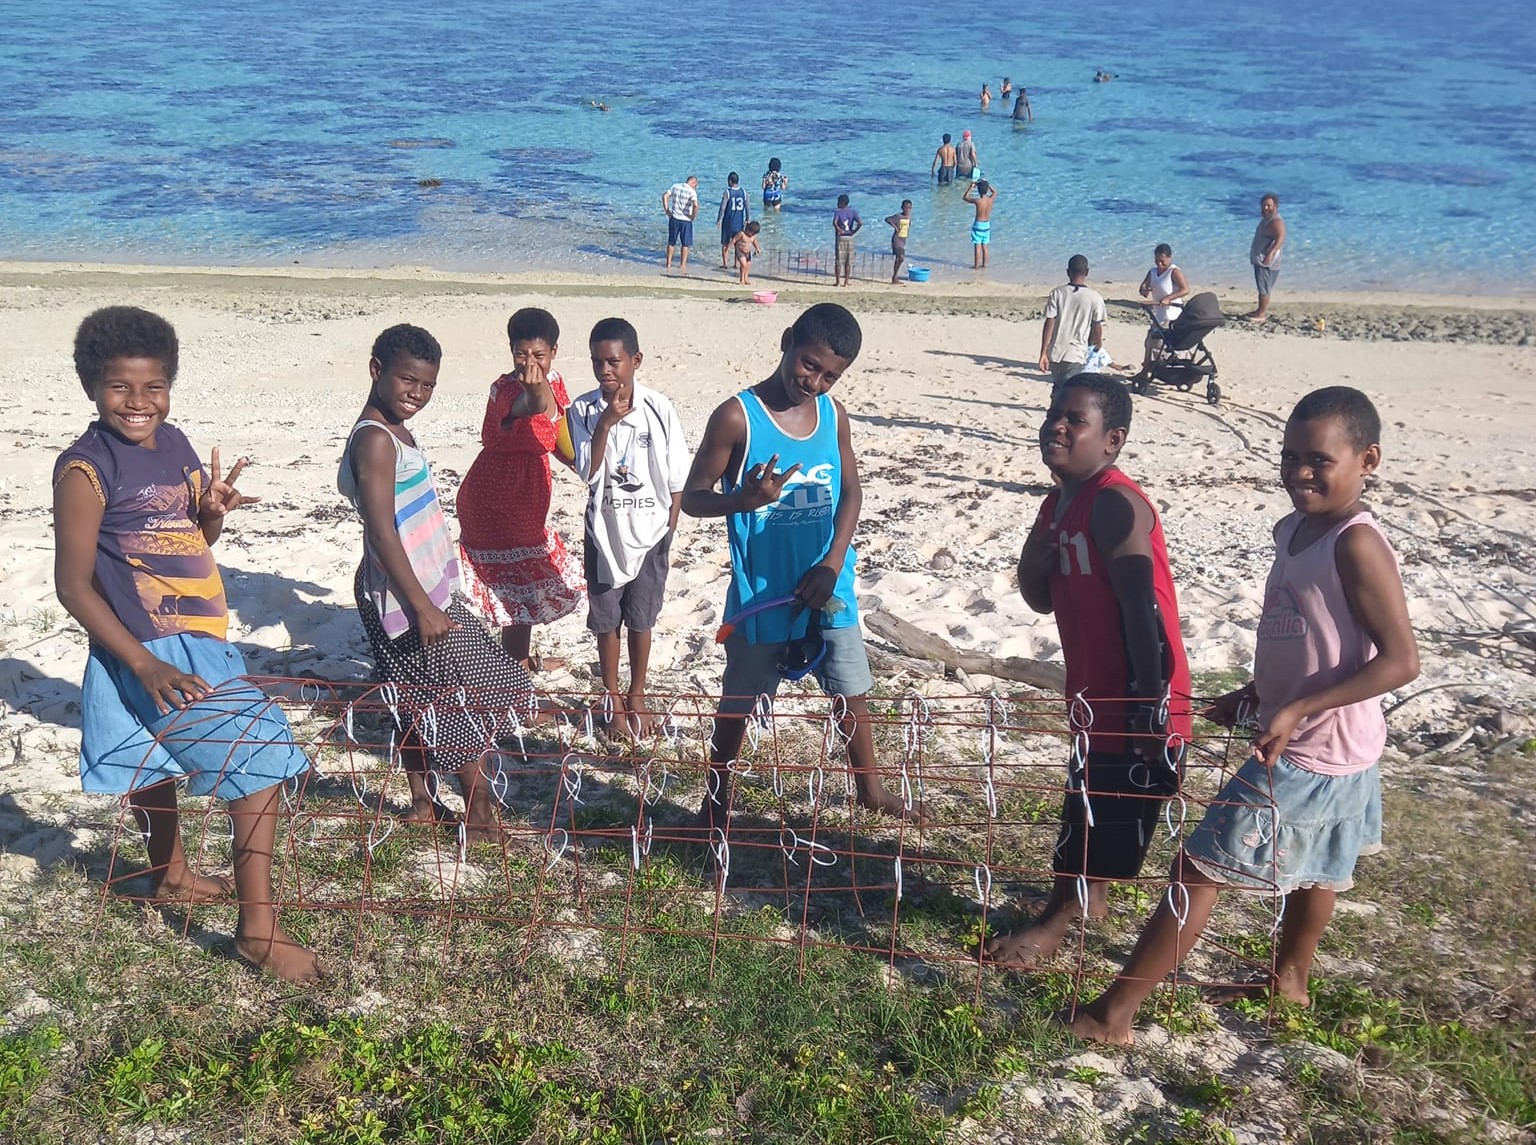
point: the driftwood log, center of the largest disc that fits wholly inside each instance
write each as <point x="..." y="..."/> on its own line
<point x="918" y="645"/>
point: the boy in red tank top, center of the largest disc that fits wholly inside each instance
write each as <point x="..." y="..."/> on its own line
<point x="1095" y="558"/>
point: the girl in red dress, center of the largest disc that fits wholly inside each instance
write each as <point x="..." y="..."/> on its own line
<point x="515" y="569"/>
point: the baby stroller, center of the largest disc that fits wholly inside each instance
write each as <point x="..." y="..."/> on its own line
<point x="1181" y="358"/>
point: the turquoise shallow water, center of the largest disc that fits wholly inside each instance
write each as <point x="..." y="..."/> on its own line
<point x="1401" y="139"/>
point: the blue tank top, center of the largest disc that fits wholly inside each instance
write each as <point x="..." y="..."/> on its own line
<point x="773" y="547"/>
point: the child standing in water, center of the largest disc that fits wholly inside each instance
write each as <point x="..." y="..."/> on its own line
<point x="1333" y="638"/>
<point x="424" y="638"/>
<point x="134" y="516"/>
<point x="746" y="247"/>
<point x="901" y="227"/>
<point x="517" y="570"/>
<point x="775" y="183"/>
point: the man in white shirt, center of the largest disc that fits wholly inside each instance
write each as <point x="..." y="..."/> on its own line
<point x="680" y="201"/>
<point x="1074" y="322"/>
<point x="628" y="445"/>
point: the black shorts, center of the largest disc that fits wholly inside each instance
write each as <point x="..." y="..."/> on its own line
<point x="635" y="605"/>
<point x="1127" y="795"/>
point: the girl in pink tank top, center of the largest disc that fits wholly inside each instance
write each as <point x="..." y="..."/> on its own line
<point x="1333" y="638"/>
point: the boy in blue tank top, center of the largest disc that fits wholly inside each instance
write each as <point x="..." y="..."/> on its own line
<point x="790" y="532"/>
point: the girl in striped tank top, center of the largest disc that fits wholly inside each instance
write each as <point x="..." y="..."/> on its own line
<point x="424" y="638"/>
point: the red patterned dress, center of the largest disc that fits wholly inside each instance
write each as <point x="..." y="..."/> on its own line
<point x="515" y="569"/>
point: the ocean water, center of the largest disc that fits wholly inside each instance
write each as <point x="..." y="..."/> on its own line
<point x="1401" y="137"/>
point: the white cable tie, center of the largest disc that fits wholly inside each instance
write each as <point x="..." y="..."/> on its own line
<point x="897" y="863"/>
<point x="1178" y="902"/>
<point x="650" y="835"/>
<point x="346" y="723"/>
<point x="1163" y="707"/>
<point x="1274" y="928"/>
<point x="434" y="785"/>
<point x="906" y="787"/>
<point x="570" y="777"/>
<point x="990" y="788"/>
<point x="1081" y="883"/>
<point x="389" y="829"/>
<point x="722" y="850"/>
<point x="815" y="779"/>
<point x="353" y="778"/>
<point x="552" y="849"/>
<point x="463" y="834"/>
<point x="1087" y="803"/>
<point x="634" y="846"/>
<point x="982" y="878"/>
<point x="429" y="726"/>
<point x="591" y="725"/>
<point x="789" y="848"/>
<point x="1173" y="747"/>
<point x="1080" y="713"/>
<point x="499" y="782"/>
<point x="1175" y="831"/>
<point x="712" y="781"/>
<point x="1080" y="748"/>
<point x="839" y="709"/>
<point x="777" y="781"/>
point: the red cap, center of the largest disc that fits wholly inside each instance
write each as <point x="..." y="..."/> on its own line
<point x="965" y="135"/>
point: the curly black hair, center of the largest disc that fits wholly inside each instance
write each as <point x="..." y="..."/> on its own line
<point x="1109" y="393"/>
<point x="1350" y="406"/>
<point x="406" y="339"/>
<point x="531" y="324"/>
<point x="122" y="332"/>
<point x="616" y="330"/>
<point x="833" y="326"/>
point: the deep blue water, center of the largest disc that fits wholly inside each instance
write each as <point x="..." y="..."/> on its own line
<point x="1401" y="138"/>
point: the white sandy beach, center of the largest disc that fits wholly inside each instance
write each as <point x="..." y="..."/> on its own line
<point x="944" y="409"/>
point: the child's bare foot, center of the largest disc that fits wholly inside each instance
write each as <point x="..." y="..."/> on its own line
<point x="642" y="722"/>
<point x="426" y="812"/>
<point x="896" y="807"/>
<point x="1090" y="1026"/>
<point x="278" y="953"/>
<point x="188" y="888"/>
<point x="1025" y="949"/>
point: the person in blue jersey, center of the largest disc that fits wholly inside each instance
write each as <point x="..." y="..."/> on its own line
<point x="777" y="463"/>
<point x="733" y="216"/>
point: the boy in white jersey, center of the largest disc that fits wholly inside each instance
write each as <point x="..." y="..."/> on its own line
<point x="791" y="536"/>
<point x="628" y="445"/>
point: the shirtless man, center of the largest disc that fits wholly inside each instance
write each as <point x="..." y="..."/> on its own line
<point x="944" y="162"/>
<point x="1021" y="108"/>
<point x="982" y="195"/>
<point x="1264" y="253"/>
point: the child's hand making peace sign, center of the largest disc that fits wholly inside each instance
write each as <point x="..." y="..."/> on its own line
<point x="221" y="496"/>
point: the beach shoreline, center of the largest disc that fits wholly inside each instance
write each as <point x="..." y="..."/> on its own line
<point x="1345" y="315"/>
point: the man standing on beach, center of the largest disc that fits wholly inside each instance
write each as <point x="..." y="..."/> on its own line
<point x="965" y="156"/>
<point x="1074" y="321"/>
<point x="1264" y="252"/>
<point x="681" y="204"/>
<point x="944" y="162"/>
